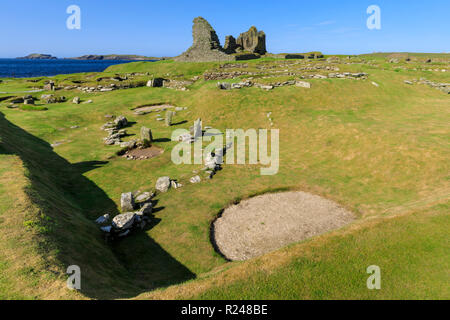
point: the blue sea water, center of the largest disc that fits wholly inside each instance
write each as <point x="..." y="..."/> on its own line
<point x="27" y="68"/>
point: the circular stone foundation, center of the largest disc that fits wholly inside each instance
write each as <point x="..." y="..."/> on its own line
<point x="269" y="222"/>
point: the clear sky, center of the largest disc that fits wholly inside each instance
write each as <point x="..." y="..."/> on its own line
<point x="163" y="28"/>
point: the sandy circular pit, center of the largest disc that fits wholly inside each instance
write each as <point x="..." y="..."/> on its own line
<point x="269" y="222"/>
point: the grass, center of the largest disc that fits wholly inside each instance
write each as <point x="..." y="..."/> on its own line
<point x="379" y="151"/>
<point x="334" y="266"/>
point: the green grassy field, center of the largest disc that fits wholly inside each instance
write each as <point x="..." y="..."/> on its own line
<point x="382" y="152"/>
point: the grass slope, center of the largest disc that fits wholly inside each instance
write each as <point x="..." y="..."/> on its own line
<point x="379" y="151"/>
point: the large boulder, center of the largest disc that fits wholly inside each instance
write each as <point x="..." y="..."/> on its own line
<point x="146" y="136"/>
<point x="198" y="132"/>
<point x="120" y="122"/>
<point x="163" y="184"/>
<point x="124" y="221"/>
<point x="206" y="45"/>
<point x="252" y="41"/>
<point x="146" y="209"/>
<point x="127" y="202"/>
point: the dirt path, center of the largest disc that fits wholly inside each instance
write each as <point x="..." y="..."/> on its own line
<point x="271" y="221"/>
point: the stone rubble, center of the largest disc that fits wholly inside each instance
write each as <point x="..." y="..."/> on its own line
<point x="137" y="211"/>
<point x="115" y="131"/>
<point x="444" y="87"/>
<point x="304" y="84"/>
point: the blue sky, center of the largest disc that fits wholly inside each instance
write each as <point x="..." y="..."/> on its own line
<point x="163" y="28"/>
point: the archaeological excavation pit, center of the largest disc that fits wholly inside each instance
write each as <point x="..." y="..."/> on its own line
<point x="272" y="221"/>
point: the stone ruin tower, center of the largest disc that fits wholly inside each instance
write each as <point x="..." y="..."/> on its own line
<point x="252" y="41"/>
<point x="206" y="45"/>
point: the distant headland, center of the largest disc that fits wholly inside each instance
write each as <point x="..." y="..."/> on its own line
<point x="38" y="56"/>
<point x="125" y="57"/>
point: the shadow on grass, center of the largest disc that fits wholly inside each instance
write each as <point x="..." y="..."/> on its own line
<point x="70" y="202"/>
<point x="179" y="123"/>
<point x="162" y="140"/>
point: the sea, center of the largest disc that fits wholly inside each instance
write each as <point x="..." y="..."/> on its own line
<point x="29" y="68"/>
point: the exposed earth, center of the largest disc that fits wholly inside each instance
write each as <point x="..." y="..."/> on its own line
<point x="271" y="221"/>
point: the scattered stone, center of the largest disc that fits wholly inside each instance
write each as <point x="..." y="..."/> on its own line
<point x="127" y="202"/>
<point x="163" y="184"/>
<point x="210" y="162"/>
<point x="146" y="136"/>
<point x="146" y="209"/>
<point x="169" y="117"/>
<point x="210" y="174"/>
<point x="103" y="219"/>
<point x="198" y="129"/>
<point x="224" y="85"/>
<point x="144" y="197"/>
<point x="128" y="144"/>
<point x="195" y="179"/>
<point x="375" y="84"/>
<point x="120" y="122"/>
<point x="303" y="84"/>
<point x="76" y="100"/>
<point x="266" y="87"/>
<point x="124" y="221"/>
<point x="175" y="184"/>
